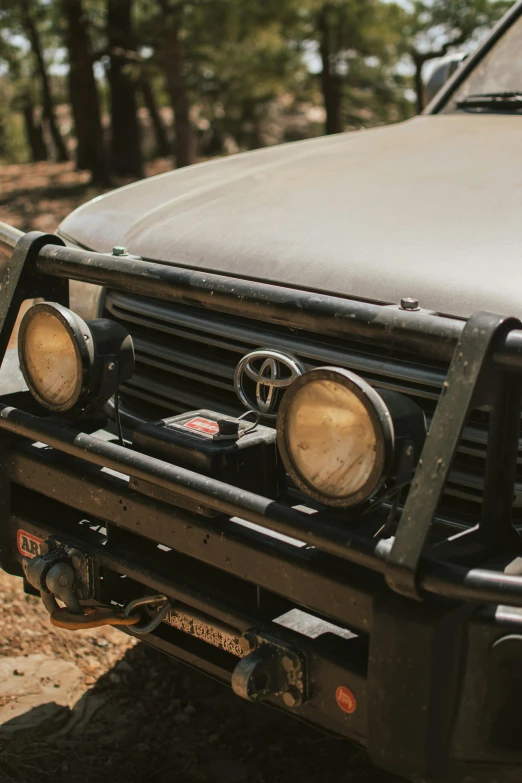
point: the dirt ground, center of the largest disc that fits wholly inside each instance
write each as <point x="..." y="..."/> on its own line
<point x="153" y="720"/>
<point x="38" y="196"/>
<point x="157" y="721"/>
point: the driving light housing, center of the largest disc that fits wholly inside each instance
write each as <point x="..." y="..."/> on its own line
<point x="70" y="364"/>
<point x="341" y="440"/>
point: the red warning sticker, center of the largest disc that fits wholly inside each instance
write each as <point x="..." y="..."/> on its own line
<point x="28" y="545"/>
<point x="345" y="699"/>
<point x="200" y="424"/>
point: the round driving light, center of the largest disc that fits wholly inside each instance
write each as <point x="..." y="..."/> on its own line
<point x="52" y="361"/>
<point x="71" y="364"/>
<point x="337" y="438"/>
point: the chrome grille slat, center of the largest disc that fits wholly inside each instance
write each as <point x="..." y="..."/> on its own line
<point x="258" y="335"/>
<point x="170" y="356"/>
<point x="179" y="370"/>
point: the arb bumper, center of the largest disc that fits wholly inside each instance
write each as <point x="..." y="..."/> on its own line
<point x="411" y="644"/>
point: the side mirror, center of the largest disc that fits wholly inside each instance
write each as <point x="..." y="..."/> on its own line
<point x="444" y="68"/>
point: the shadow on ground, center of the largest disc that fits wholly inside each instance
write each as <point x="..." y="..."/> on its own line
<point x="158" y="721"/>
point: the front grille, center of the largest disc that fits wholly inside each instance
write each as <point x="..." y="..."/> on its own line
<point x="186" y="357"/>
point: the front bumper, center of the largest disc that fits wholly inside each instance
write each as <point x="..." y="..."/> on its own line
<point x="410" y="646"/>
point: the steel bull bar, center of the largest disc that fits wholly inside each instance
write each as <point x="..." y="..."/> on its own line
<point x="450" y="580"/>
<point x="435" y="678"/>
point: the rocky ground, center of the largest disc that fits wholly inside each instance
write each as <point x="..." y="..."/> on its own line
<point x="98" y="707"/>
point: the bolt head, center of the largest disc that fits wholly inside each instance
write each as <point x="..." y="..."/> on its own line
<point x="292" y="697"/>
<point x="248" y="642"/>
<point x="119" y="250"/>
<point x="111" y="366"/>
<point x="63" y="580"/>
<point x="409" y="304"/>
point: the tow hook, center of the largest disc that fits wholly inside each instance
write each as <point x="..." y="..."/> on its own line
<point x="54" y="575"/>
<point x="65" y="574"/>
<point x="270" y="668"/>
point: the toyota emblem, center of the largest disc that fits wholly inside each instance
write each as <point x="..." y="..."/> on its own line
<point x="261" y="378"/>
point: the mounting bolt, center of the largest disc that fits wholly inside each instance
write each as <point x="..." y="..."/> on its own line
<point x="111" y="366"/>
<point x="409" y="304"/>
<point x="248" y="642"/>
<point x="119" y="250"/>
<point x="292" y="697"/>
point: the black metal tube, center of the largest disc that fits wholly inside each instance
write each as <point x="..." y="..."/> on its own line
<point x="294" y="573"/>
<point x="475" y="584"/>
<point x="433" y="337"/>
<point x="203" y="490"/>
<point x="9" y="236"/>
<point x="449" y="580"/>
<point x="430" y="336"/>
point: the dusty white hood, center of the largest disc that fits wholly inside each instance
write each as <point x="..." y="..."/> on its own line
<point x="430" y="209"/>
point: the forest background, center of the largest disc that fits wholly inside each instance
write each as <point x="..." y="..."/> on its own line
<point x="113" y="84"/>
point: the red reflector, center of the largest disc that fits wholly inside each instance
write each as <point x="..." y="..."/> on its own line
<point x="345" y="699"/>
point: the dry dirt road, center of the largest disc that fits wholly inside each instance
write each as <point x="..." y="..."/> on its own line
<point x="143" y="718"/>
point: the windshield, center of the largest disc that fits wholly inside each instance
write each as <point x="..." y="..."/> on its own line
<point x="500" y="71"/>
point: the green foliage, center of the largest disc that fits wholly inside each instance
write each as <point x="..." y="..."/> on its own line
<point x="253" y="71"/>
<point x="447" y="24"/>
<point x="432" y="29"/>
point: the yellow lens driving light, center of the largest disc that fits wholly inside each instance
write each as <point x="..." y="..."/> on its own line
<point x="341" y="440"/>
<point x="70" y="364"/>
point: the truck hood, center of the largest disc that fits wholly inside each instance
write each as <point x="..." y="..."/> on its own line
<point x="430" y="209"/>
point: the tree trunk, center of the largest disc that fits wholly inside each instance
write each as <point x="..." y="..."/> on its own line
<point x="33" y="132"/>
<point x="418" y="61"/>
<point x="91" y="153"/>
<point x="330" y="80"/>
<point x="47" y="99"/>
<point x="149" y="99"/>
<point x="125" y="131"/>
<point x="173" y="60"/>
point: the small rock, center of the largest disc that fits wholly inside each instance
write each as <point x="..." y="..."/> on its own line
<point x="65" y="767"/>
<point x="114" y="678"/>
<point x="213" y="737"/>
<point x="190" y="709"/>
<point x="123" y="666"/>
<point x="99" y="641"/>
<point x="181" y="717"/>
